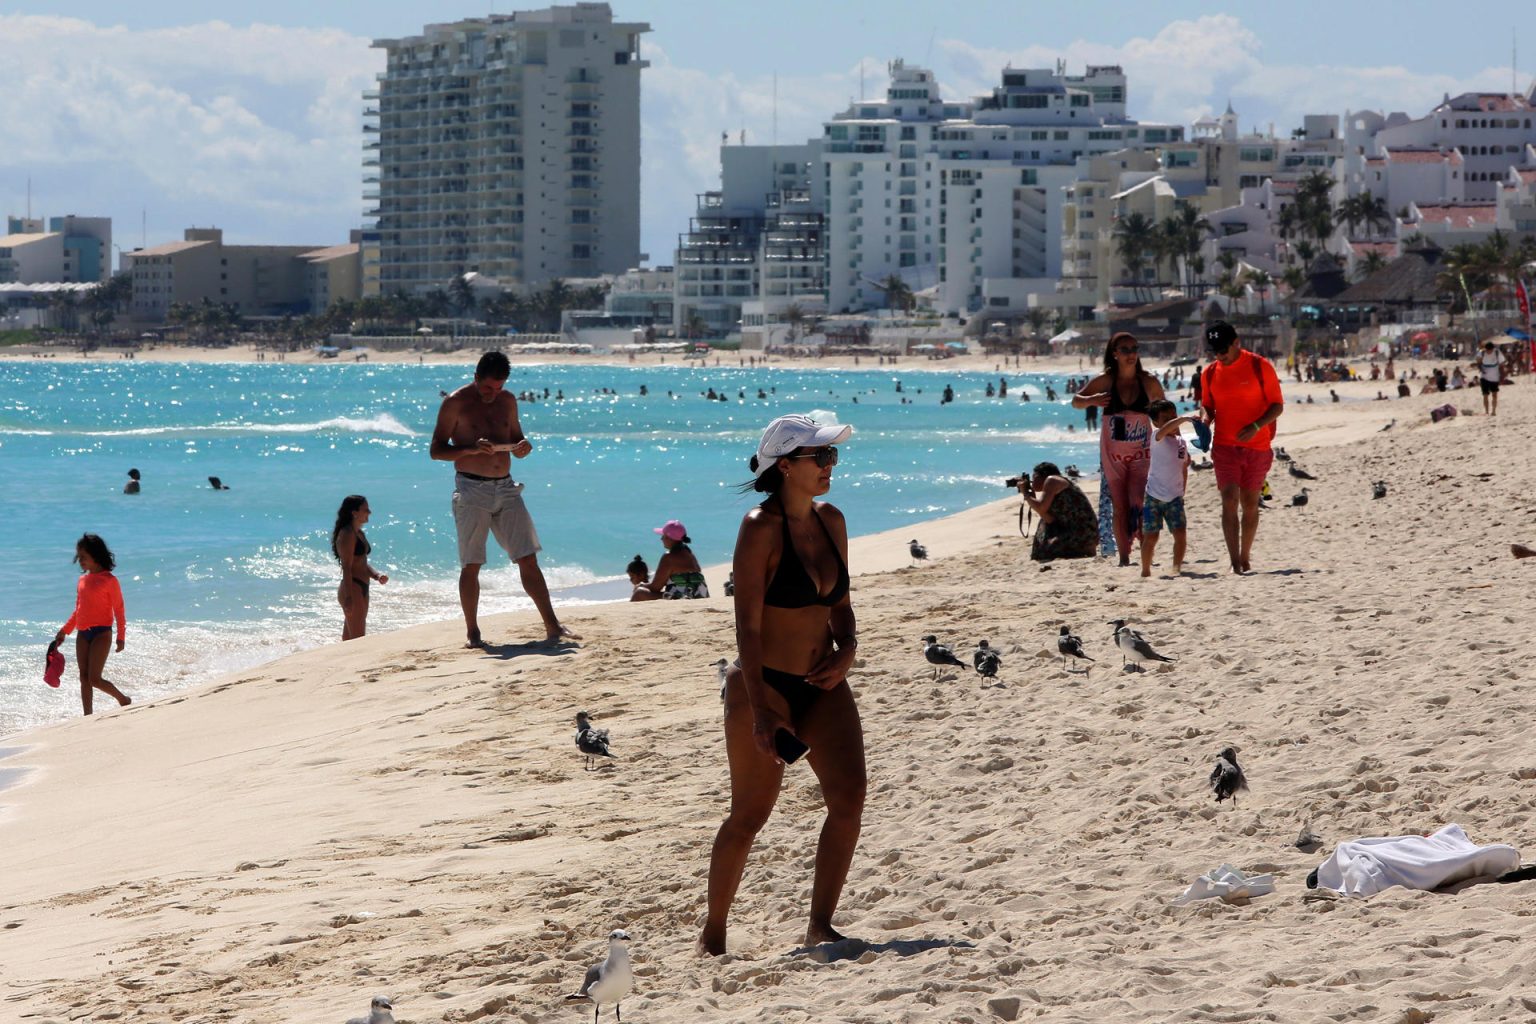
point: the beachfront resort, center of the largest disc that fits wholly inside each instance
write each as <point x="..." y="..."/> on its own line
<point x="1101" y="596"/>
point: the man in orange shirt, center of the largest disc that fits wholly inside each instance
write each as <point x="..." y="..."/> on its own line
<point x="1241" y="395"/>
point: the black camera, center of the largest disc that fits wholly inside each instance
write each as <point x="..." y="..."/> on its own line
<point x="1012" y="483"/>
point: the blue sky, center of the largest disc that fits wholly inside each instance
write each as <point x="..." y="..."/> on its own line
<point x="252" y="122"/>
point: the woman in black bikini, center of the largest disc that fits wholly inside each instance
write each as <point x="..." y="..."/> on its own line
<point x="795" y="638"/>
<point x="351" y="549"/>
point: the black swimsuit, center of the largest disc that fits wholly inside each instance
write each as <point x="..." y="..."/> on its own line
<point x="792" y="587"/>
<point x="363" y="548"/>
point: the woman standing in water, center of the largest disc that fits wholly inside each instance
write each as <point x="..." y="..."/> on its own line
<point x="98" y="602"/>
<point x="788" y="690"/>
<point x="352" y="549"/>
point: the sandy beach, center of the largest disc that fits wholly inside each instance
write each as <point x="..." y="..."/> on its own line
<point x="398" y="815"/>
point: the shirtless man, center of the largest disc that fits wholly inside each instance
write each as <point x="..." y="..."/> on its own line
<point x="477" y="430"/>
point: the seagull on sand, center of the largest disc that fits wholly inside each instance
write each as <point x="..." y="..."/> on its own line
<point x="1298" y="500"/>
<point x="1227" y="778"/>
<point x="917" y="551"/>
<point x="1379" y="489"/>
<point x="987" y="660"/>
<point x="1069" y="646"/>
<point x="593" y="743"/>
<point x="1134" y="648"/>
<point x="609" y="981"/>
<point x="939" y="655"/>
<point x="1299" y="473"/>
<point x="721" y="668"/>
<point x="1389" y="426"/>
<point x="1281" y="455"/>
<point x="380" y="1011"/>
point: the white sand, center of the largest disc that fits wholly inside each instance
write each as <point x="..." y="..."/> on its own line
<point x="398" y="815"/>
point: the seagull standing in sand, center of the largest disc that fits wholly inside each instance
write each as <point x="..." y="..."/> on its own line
<point x="939" y="655"/>
<point x="987" y="660"/>
<point x="1298" y="500"/>
<point x="1227" y="778"/>
<point x="1069" y="646"/>
<point x="380" y="1011"/>
<point x="917" y="551"/>
<point x="1299" y="473"/>
<point x="1133" y="646"/>
<point x="609" y="981"/>
<point x="593" y="743"/>
<point x="722" y="668"/>
<point x="1379" y="489"/>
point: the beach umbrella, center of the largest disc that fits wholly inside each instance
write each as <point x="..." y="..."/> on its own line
<point x="1067" y="336"/>
<point x="1518" y="334"/>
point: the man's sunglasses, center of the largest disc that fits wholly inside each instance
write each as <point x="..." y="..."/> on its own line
<point x="824" y="456"/>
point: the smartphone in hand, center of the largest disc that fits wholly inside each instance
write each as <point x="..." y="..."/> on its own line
<point x="506" y="447"/>
<point x="788" y="746"/>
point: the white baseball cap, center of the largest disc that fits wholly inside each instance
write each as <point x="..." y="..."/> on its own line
<point x="796" y="430"/>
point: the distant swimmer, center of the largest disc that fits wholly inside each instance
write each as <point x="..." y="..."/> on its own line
<point x="217" y="484"/>
<point x="132" y="486"/>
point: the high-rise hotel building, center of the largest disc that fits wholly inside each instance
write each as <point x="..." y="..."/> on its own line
<point x="508" y="145"/>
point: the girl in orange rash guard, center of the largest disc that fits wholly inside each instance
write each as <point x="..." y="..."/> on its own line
<point x="98" y="602"/>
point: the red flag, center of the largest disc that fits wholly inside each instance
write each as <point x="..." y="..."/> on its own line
<point x="1525" y="311"/>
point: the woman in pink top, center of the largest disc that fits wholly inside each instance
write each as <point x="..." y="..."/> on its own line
<point x="98" y="603"/>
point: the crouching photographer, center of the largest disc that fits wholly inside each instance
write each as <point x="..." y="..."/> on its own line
<point x="1069" y="527"/>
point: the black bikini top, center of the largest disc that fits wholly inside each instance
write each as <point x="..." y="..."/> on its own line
<point x="362" y="547"/>
<point x="792" y="586"/>
<point x="1138" y="405"/>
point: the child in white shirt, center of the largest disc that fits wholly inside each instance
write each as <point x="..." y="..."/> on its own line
<point x="1166" y="480"/>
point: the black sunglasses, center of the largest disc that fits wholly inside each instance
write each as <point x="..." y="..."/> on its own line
<point x="1127" y="351"/>
<point x="824" y="456"/>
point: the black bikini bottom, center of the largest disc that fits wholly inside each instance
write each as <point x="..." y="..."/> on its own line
<point x="800" y="695"/>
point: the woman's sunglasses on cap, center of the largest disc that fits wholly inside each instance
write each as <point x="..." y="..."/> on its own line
<point x="824" y="456"/>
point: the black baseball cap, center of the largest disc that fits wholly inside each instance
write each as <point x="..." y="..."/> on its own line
<point x="1220" y="335"/>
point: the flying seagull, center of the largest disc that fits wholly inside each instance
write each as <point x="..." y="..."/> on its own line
<point x="380" y="1011"/>
<point x="1299" y="473"/>
<point x="1227" y="778"/>
<point x="917" y="551"/>
<point x="1134" y="646"/>
<point x="609" y="981"/>
<point x="721" y="668"/>
<point x="1379" y="489"/>
<point x="987" y="660"/>
<point x="593" y="743"/>
<point x="939" y="655"/>
<point x="1298" y="500"/>
<point x="1070" y="646"/>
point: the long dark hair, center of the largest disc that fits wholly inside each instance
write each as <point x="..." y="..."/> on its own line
<point x="97" y="548"/>
<point x="349" y="506"/>
<point x="1112" y="367"/>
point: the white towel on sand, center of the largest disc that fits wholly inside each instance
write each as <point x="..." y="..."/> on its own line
<point x="1367" y="866"/>
<point x="1228" y="884"/>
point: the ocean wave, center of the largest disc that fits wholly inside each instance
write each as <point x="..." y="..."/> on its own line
<point x="382" y="423"/>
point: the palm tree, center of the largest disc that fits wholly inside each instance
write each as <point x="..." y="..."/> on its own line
<point x="795" y="317"/>
<point x="1262" y="282"/>
<point x="1349" y="214"/>
<point x="66" y="307"/>
<point x="1314" y="197"/>
<point x="1369" y="264"/>
<point x="461" y="295"/>
<point x="1374" y="212"/>
<point x="1185" y="230"/>
<point x="1285" y="222"/>
<point x="1294" y="278"/>
<point x="898" y="294"/>
<point x="1135" y="238"/>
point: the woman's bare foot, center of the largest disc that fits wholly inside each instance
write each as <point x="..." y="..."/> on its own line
<point x="710" y="943"/>
<point x="474" y="643"/>
<point x="125" y="701"/>
<point x="561" y="633"/>
<point x="816" y="934"/>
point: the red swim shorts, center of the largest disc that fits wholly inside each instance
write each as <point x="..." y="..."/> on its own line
<point x="1244" y="468"/>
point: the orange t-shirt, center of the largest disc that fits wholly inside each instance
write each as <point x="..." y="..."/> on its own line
<point x="98" y="601"/>
<point x="1239" y="393"/>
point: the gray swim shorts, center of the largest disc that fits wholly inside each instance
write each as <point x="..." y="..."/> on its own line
<point x="491" y="506"/>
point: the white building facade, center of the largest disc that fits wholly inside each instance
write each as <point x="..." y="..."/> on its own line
<point x="509" y="146"/>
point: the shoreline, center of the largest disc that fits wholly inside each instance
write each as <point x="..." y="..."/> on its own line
<point x="397" y="815"/>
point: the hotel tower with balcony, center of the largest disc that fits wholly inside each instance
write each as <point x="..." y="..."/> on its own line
<point x="508" y="145"/>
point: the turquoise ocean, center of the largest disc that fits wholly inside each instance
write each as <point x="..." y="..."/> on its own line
<point x="219" y="581"/>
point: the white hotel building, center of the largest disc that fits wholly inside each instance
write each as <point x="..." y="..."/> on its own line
<point x="508" y="145"/>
